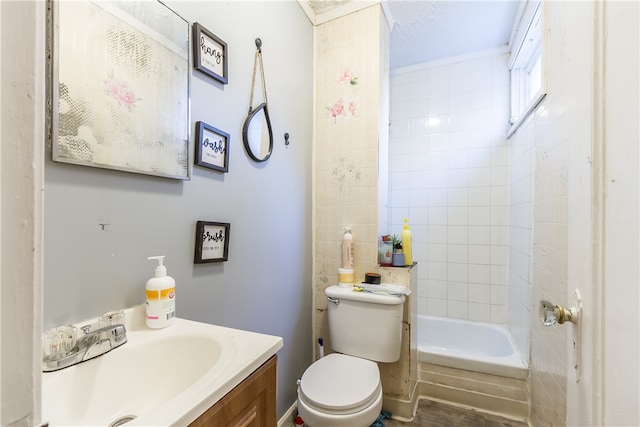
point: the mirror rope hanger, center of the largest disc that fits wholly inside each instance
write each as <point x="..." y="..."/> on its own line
<point x="258" y="58"/>
<point x="257" y="143"/>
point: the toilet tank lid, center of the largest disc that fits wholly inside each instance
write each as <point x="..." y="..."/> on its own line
<point x="364" y="295"/>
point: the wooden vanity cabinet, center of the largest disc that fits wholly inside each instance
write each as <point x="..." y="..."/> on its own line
<point x="252" y="403"/>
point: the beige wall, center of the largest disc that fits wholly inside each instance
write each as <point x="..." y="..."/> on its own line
<point x="349" y="71"/>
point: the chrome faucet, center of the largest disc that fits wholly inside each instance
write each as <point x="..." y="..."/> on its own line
<point x="91" y="344"/>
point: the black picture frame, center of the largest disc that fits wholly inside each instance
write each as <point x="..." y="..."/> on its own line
<point x="212" y="147"/>
<point x="210" y="54"/>
<point x="212" y="242"/>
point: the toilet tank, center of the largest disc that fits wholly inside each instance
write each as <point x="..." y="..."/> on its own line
<point x="364" y="324"/>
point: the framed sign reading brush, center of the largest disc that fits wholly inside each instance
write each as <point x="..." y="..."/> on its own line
<point x="212" y="242"/>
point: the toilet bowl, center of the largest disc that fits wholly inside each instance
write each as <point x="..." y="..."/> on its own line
<point x="343" y="389"/>
<point x="340" y="391"/>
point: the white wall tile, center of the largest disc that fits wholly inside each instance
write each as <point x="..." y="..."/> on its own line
<point x="457" y="215"/>
<point x="480" y="196"/>
<point x="437" y="289"/>
<point x="458" y="197"/>
<point x="457" y="309"/>
<point x="479" y="177"/>
<point x="480" y="215"/>
<point x="500" y="196"/>
<point x="499" y="255"/>
<point x="446" y="124"/>
<point x="457" y="253"/>
<point x="458" y="178"/>
<point x="479" y="157"/>
<point x="458" y="140"/>
<point x="439" y="86"/>
<point x="436" y="233"/>
<point x="436" y="270"/>
<point x="498" y="313"/>
<point x="479" y="235"/>
<point x="479" y="312"/>
<point x="457" y="272"/>
<point x="500" y="235"/>
<point x="457" y="291"/>
<point x="438" y="197"/>
<point x="437" y="252"/>
<point x="479" y="293"/>
<point x="479" y="254"/>
<point x="438" y="105"/>
<point x="498" y="274"/>
<point x="438" y="141"/>
<point x="458" y="234"/>
<point x="437" y="307"/>
<point x="437" y="216"/>
<point x="458" y="159"/>
<point x="480" y="274"/>
<point x="418" y="197"/>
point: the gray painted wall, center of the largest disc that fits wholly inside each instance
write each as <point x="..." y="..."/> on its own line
<point x="265" y="286"/>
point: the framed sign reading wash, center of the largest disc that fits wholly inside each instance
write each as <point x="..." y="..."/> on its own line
<point x="120" y="86"/>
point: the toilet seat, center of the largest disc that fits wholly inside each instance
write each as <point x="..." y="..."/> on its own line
<point x="340" y="384"/>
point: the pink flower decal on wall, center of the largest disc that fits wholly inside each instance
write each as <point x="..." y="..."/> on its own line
<point x="348" y="77"/>
<point x="346" y="82"/>
<point x="337" y="110"/>
<point x="120" y="91"/>
<point x="353" y="105"/>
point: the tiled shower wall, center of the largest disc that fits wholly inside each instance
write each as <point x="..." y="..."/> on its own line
<point x="520" y="275"/>
<point x="449" y="175"/>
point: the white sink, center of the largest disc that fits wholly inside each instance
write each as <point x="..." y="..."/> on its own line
<point x="159" y="377"/>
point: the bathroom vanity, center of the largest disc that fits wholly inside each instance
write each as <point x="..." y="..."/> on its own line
<point x="189" y="373"/>
<point x="252" y="403"/>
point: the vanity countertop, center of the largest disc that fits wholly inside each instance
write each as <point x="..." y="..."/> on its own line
<point x="166" y="376"/>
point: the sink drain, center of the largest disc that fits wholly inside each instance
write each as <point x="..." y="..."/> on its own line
<point x="122" y="420"/>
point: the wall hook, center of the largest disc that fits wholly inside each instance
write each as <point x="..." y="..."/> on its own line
<point x="286" y="138"/>
<point x="259" y="44"/>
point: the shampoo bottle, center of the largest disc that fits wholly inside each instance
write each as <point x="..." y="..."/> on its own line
<point x="161" y="297"/>
<point x="347" y="248"/>
<point x="406" y="243"/>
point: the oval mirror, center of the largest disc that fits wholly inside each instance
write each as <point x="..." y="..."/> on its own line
<point x="257" y="135"/>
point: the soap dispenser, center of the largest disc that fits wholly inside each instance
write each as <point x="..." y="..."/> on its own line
<point x="161" y="297"/>
<point x="406" y="243"/>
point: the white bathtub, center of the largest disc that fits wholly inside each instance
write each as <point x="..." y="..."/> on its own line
<point x="473" y="346"/>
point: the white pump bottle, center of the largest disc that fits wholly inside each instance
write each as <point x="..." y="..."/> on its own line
<point x="161" y="297"/>
<point x="347" y="248"/>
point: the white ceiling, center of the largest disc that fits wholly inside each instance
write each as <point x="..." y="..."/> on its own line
<point x="427" y="30"/>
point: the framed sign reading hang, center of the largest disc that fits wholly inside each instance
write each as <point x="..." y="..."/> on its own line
<point x="120" y="86"/>
<point x="209" y="54"/>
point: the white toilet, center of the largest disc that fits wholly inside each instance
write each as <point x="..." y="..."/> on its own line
<point x="343" y="389"/>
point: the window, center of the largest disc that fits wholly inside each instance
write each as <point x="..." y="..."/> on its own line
<point x="525" y="64"/>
